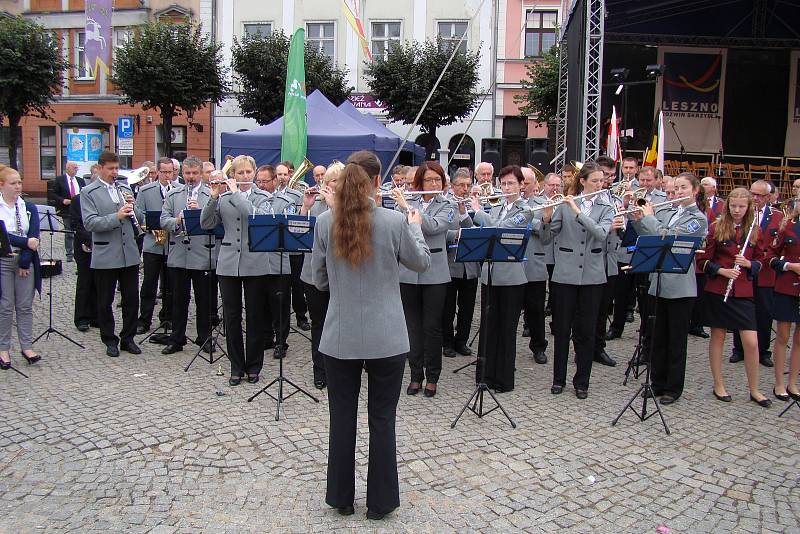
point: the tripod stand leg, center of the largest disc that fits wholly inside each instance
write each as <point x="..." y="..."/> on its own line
<point x="629" y="405"/>
<point x="513" y="424"/>
<point x="793" y="403"/>
<point x="473" y="362"/>
<point x="26" y="376"/>
<point x="466" y="405"/>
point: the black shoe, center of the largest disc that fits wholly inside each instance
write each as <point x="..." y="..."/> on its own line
<point x="346" y="510"/>
<point x="764" y="403"/>
<point x="413" y="389"/>
<point x="581" y="393"/>
<point x="303" y="325"/>
<point x="723" y="398"/>
<point x="613" y="334"/>
<point x="142" y="329"/>
<point x="31" y="359"/>
<point x="629" y="317"/>
<point x="429" y="392"/>
<point x="449" y="352"/>
<point x="159" y="339"/>
<point x="736" y="357"/>
<point x="667" y="399"/>
<point x="547" y="311"/>
<point x="784" y="397"/>
<point x="526" y="332"/>
<point x="252" y="379"/>
<point x="376" y="515"/>
<point x="555" y="389"/>
<point x="766" y="361"/>
<point x="166" y="325"/>
<point x="540" y="357"/>
<point x="234" y="380"/>
<point x="699" y="331"/>
<point x="112" y="350"/>
<point x="5" y="366"/>
<point x="279" y="353"/>
<point x="463" y="349"/>
<point x="171" y="349"/>
<point x="605" y="359"/>
<point x="320" y="384"/>
<point x="795" y="396"/>
<point x="83" y="327"/>
<point x="130" y="346"/>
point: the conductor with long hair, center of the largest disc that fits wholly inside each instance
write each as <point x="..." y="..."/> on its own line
<point x="358" y="249"/>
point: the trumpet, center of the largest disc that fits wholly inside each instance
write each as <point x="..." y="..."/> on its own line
<point x="638" y="196"/>
<point x="557" y="200"/>
<point x="656" y="205"/>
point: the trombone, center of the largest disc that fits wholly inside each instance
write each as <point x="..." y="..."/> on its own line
<point x="639" y="207"/>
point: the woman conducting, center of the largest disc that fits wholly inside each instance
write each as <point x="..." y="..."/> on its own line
<point x="19" y="273"/>
<point x="357" y="253"/>
<point x="239" y="269"/>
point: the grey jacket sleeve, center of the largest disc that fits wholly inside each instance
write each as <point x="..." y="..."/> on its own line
<point x="210" y="216"/>
<point x="414" y="253"/>
<point x="549" y="231"/>
<point x="168" y="220"/>
<point x="319" y="268"/>
<point x="599" y="229"/>
<point x="482" y="218"/>
<point x="92" y="220"/>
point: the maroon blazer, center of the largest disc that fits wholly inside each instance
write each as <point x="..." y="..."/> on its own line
<point x="720" y="254"/>
<point x="785" y="249"/>
<point x="715" y="209"/>
<point x="770" y="224"/>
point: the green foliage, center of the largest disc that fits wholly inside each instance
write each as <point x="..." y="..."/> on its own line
<point x="404" y="78"/>
<point x="259" y="64"/>
<point x="31" y="74"/>
<point x="170" y="67"/>
<point x="540" y="99"/>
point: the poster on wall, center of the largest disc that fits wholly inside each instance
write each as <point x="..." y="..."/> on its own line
<point x="793" y="124"/>
<point x="76" y="147"/>
<point x="691" y="93"/>
<point x="94" y="146"/>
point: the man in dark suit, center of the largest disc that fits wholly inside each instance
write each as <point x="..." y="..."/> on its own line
<point x="85" y="292"/>
<point x="64" y="189"/>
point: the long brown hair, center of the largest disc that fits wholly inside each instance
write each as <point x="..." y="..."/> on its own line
<point x="700" y="197"/>
<point x="352" y="216"/>
<point x="725" y="228"/>
<point x="366" y="160"/>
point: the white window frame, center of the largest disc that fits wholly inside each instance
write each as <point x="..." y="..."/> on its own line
<point x="454" y="39"/>
<point x="79" y="65"/>
<point x="537" y="9"/>
<point x="54" y="146"/>
<point x="116" y="35"/>
<point x="385" y="39"/>
<point x="310" y="38"/>
<point x="246" y="23"/>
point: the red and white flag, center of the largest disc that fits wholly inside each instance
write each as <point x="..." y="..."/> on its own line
<point x="612" y="143"/>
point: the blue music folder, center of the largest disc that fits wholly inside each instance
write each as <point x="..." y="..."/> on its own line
<point x="191" y="221"/>
<point x="675" y="254"/>
<point x="490" y="243"/>
<point x="152" y="220"/>
<point x="281" y="233"/>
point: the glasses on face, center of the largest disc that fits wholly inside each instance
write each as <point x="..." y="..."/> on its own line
<point x="759" y="194"/>
<point x="432" y="180"/>
<point x="508" y="184"/>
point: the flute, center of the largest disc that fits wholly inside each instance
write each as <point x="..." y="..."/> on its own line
<point x="741" y="251"/>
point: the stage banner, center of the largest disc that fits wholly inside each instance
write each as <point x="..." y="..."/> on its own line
<point x="793" y="124"/>
<point x="691" y="94"/>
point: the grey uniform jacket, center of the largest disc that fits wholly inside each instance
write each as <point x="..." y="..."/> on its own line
<point x="458" y="270"/>
<point x="656" y="196"/>
<point x="149" y="199"/>
<point x="365" y="314"/>
<point x="437" y="219"/>
<point x="518" y="216"/>
<point x="613" y="244"/>
<point x="232" y="210"/>
<point x="580" y="243"/>
<point x="113" y="240"/>
<point x="535" y="266"/>
<point x="187" y="252"/>
<point x="691" y="222"/>
<point x="316" y="210"/>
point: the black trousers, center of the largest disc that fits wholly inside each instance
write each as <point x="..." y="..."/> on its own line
<point x="624" y="296"/>
<point x="423" y="305"/>
<point x="385" y="377"/>
<point x="602" y="314"/>
<point x="533" y="310"/>
<point x="85" y="290"/>
<point x="550" y="268"/>
<point x="298" y="288"/>
<point x="498" y="339"/>
<point x="669" y="345"/>
<point x="251" y="359"/>
<point x="575" y="311"/>
<point x="461" y="293"/>
<point x="154" y="266"/>
<point x="697" y="310"/>
<point x="277" y="305"/>
<point x="317" y="310"/>
<point x="106" y="283"/>
<point x="763" y="300"/>
<point x="183" y="281"/>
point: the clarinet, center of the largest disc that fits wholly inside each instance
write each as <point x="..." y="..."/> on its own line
<point x="137" y="229"/>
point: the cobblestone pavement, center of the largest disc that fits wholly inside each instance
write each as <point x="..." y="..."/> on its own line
<point x="136" y="444"/>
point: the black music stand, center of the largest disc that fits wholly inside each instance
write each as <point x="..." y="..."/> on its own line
<point x="281" y="233"/>
<point x="191" y="222"/>
<point x="5" y="252"/>
<point x="660" y="255"/>
<point x="49" y="224"/>
<point x="153" y="222"/>
<point x="488" y="244"/>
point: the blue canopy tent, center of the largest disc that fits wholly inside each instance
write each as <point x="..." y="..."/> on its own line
<point x="332" y="134"/>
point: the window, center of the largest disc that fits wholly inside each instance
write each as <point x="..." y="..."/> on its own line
<point x="47" y="152"/>
<point x="122" y="37"/>
<point x="320" y="35"/>
<point x="81" y="70"/>
<point x="5" y="141"/>
<point x="385" y="36"/>
<point x="540" y="31"/>
<point x="257" y="29"/>
<point x="451" y="32"/>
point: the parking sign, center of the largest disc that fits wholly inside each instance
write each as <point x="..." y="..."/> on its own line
<point x="125" y="136"/>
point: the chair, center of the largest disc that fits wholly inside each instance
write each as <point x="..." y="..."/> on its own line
<point x="724" y="185"/>
<point x="703" y="169"/>
<point x="777" y="172"/>
<point x="671" y="167"/>
<point x="738" y="172"/>
<point x="759" y="172"/>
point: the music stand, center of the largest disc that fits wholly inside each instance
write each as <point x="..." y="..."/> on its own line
<point x="49" y="223"/>
<point x="152" y="220"/>
<point x="191" y="222"/>
<point x="281" y="233"/>
<point x="488" y="244"/>
<point x="660" y="255"/>
<point x="5" y="252"/>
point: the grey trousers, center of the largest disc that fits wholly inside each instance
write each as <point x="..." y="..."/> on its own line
<point x="69" y="236"/>
<point x="17" y="296"/>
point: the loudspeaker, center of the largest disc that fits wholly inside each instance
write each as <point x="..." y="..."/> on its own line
<point x="537" y="155"/>
<point x="512" y="152"/>
<point x="490" y="152"/>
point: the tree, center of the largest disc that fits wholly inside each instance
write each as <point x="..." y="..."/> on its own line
<point x="403" y="79"/>
<point x="31" y="75"/>
<point x="170" y="67"/>
<point x="259" y="64"/>
<point x="541" y="86"/>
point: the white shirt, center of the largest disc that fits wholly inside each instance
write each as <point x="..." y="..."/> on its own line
<point x="586" y="206"/>
<point x="74" y="181"/>
<point x="8" y="214"/>
<point x="675" y="216"/>
<point x="112" y="192"/>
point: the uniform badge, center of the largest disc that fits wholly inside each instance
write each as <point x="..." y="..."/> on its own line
<point x="290" y="209"/>
<point x="450" y="215"/>
<point x="693" y="226"/>
<point x="518" y="219"/>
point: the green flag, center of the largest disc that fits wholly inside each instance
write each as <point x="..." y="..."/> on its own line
<point x="294" y="140"/>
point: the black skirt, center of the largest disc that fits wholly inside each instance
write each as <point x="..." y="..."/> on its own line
<point x="785" y="308"/>
<point x="739" y="313"/>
